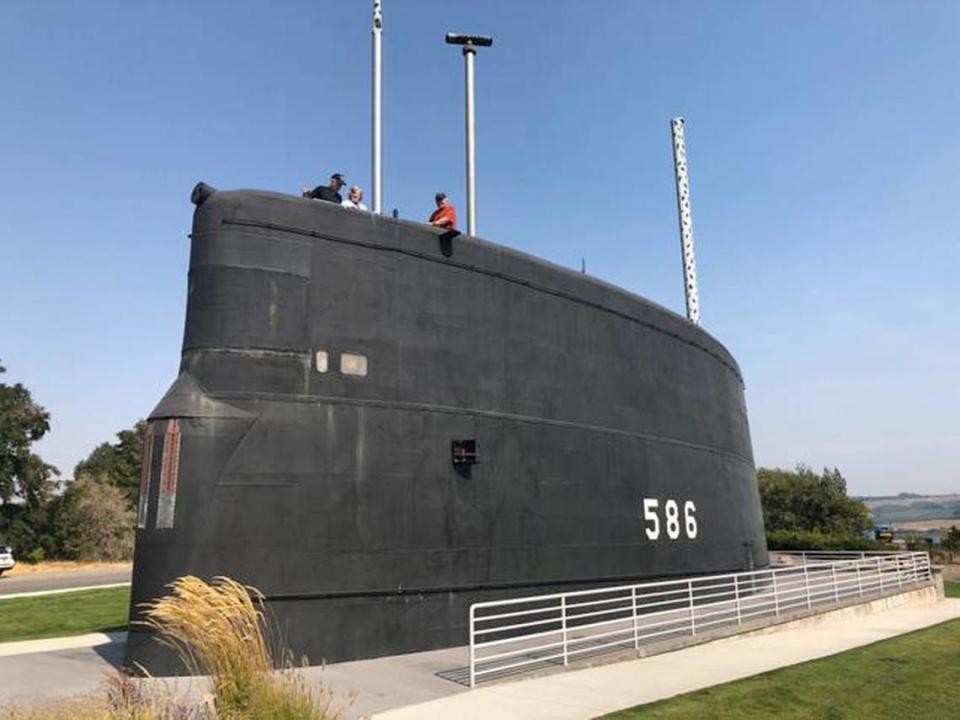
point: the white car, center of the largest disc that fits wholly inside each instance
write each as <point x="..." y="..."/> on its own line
<point x="6" y="559"/>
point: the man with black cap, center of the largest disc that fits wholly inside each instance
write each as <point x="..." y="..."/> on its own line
<point x="330" y="193"/>
<point x="445" y="216"/>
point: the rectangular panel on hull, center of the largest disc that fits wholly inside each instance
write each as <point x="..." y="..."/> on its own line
<point x="169" y="475"/>
<point x="145" y="477"/>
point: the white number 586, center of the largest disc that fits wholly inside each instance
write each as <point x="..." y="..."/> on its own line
<point x="672" y="514"/>
<point x="650" y="515"/>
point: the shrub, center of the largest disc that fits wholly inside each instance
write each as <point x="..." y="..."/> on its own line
<point x="217" y="629"/>
<point x="805" y="501"/>
<point x="815" y="540"/>
<point x="93" y="521"/>
<point x="27" y="530"/>
<point x="37" y="555"/>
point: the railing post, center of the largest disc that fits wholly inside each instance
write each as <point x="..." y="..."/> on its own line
<point x="859" y="578"/>
<point x="636" y="628"/>
<point x="563" y="626"/>
<point x="836" y="586"/>
<point x="693" y="619"/>
<point x="899" y="572"/>
<point x="880" y="573"/>
<point x="473" y="652"/>
<point x="806" y="585"/>
<point x="736" y="594"/>
<point x="776" y="598"/>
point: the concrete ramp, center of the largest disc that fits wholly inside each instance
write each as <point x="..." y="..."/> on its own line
<point x="594" y="691"/>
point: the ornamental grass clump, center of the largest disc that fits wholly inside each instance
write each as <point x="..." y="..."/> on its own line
<point x="217" y="629"/>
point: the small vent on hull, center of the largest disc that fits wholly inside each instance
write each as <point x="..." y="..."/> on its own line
<point x="465" y="453"/>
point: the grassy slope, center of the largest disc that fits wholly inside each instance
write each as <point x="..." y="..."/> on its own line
<point x="914" y="675"/>
<point x="72" y="613"/>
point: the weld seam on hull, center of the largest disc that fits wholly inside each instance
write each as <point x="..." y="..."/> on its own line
<point x="492" y="414"/>
<point x="242" y="266"/>
<point x="437" y="590"/>
<point x="491" y="273"/>
<point x="251" y="351"/>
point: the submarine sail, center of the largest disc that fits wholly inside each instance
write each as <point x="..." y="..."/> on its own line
<point x="377" y="424"/>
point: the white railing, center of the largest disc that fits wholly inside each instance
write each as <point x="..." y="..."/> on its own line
<point x="507" y="636"/>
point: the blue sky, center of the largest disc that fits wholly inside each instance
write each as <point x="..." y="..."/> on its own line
<point x="823" y="147"/>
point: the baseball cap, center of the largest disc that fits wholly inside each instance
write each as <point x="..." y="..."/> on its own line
<point x="339" y="177"/>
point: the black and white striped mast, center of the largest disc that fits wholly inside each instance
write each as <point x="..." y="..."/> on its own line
<point x="377" y="159"/>
<point x="686" y="221"/>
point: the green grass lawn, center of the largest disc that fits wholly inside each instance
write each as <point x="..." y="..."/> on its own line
<point x="73" y="613"/>
<point x="911" y="676"/>
<point x="952" y="588"/>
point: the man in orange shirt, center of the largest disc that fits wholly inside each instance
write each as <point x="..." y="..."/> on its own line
<point x="445" y="216"/>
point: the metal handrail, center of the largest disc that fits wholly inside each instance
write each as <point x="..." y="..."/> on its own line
<point x="564" y="625"/>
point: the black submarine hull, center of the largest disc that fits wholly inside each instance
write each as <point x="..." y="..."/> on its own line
<point x="377" y="424"/>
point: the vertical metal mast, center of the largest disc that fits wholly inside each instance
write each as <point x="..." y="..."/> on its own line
<point x="469" y="52"/>
<point x="470" y="44"/>
<point x="377" y="169"/>
<point x="686" y="221"/>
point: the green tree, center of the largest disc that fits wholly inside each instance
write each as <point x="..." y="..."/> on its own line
<point x="26" y="481"/>
<point x="23" y="474"/>
<point x="951" y="541"/>
<point x="118" y="463"/>
<point x="801" y="500"/>
<point x="92" y="521"/>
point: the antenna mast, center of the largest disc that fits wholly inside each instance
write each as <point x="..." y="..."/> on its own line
<point x="470" y="44"/>
<point x="686" y="221"/>
<point x="377" y="169"/>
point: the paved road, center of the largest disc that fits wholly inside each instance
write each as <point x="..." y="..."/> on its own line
<point x="35" y="582"/>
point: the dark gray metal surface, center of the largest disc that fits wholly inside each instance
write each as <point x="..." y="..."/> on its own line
<point x="336" y="495"/>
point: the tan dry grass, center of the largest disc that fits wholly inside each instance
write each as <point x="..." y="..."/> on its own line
<point x="123" y="698"/>
<point x="217" y="629"/>
<point x="929" y="524"/>
<point x="22" y="568"/>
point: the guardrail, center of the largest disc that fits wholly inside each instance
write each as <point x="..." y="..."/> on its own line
<point x="510" y="635"/>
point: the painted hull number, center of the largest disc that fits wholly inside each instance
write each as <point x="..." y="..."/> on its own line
<point x="671" y="521"/>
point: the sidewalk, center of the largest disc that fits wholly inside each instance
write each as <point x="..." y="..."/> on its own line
<point x="72" y="642"/>
<point x="595" y="691"/>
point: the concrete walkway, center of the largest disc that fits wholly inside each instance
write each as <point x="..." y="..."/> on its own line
<point x="57" y="671"/>
<point x="73" y="642"/>
<point x="599" y="690"/>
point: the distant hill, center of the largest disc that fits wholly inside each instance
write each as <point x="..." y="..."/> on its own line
<point x="907" y="507"/>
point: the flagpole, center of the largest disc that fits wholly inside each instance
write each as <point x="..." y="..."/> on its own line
<point x="377" y="160"/>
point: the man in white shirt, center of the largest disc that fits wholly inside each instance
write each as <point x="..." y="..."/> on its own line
<point x="354" y="198"/>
